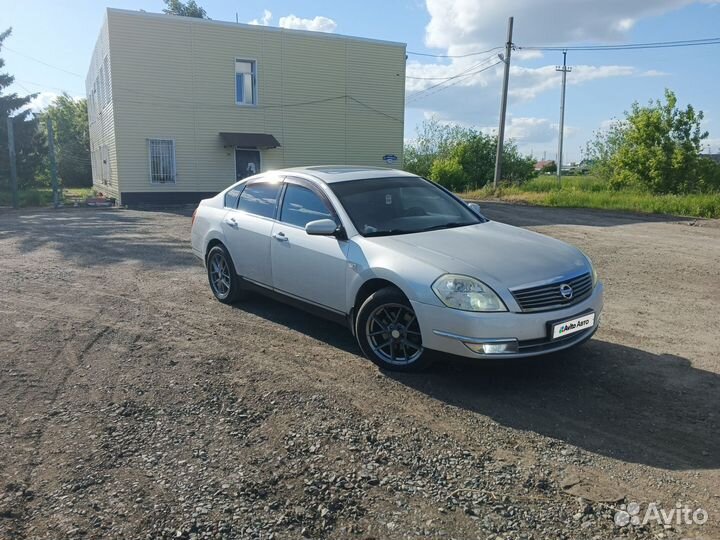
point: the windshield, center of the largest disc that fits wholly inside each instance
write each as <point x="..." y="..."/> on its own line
<point x="401" y="205"/>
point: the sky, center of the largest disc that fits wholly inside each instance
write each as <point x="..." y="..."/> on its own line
<point x="50" y="47"/>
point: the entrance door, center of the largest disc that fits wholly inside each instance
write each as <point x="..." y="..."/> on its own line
<point x="247" y="163"/>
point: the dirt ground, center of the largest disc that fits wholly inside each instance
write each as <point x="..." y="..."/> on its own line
<point x="133" y="405"/>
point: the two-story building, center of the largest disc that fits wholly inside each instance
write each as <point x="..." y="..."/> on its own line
<point x="179" y="108"/>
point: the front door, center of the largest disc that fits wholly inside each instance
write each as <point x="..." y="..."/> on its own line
<point x="247" y="163"/>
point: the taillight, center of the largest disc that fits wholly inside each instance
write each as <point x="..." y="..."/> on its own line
<point x="193" y="217"/>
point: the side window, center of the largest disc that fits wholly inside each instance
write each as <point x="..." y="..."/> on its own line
<point x="301" y="205"/>
<point x="260" y="199"/>
<point x="232" y="196"/>
<point x="245" y="82"/>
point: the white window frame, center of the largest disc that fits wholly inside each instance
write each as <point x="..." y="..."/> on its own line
<point x="254" y="63"/>
<point x="173" y="162"/>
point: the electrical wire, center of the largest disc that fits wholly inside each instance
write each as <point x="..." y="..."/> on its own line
<point x="41" y="61"/>
<point x="465" y="73"/>
<point x="455" y="55"/>
<point x="627" y="46"/>
<point x="458" y="80"/>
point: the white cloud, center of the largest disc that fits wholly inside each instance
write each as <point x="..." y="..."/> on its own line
<point x="654" y="73"/>
<point x="461" y="22"/>
<point x="264" y="20"/>
<point x="529" y="82"/>
<point x="41" y="101"/>
<point x="459" y="27"/>
<point x="531" y="129"/>
<point x="317" y="24"/>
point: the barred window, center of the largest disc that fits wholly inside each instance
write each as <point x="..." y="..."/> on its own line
<point x="162" y="161"/>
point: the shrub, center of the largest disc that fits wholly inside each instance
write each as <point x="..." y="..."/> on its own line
<point x="449" y="173"/>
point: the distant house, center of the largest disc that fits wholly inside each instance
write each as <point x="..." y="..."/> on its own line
<point x="180" y="108"/>
<point x="543" y="163"/>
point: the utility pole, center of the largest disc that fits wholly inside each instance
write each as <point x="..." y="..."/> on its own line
<point x="565" y="70"/>
<point x="13" y="165"/>
<point x="503" y="104"/>
<point x="53" y="167"/>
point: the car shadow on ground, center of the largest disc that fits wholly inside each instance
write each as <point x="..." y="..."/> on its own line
<point x="609" y="399"/>
<point x="329" y="332"/>
<point x="538" y="216"/>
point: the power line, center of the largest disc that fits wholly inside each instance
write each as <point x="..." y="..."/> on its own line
<point x="141" y="93"/>
<point x="627" y="46"/>
<point x="463" y="73"/>
<point x="373" y="109"/>
<point x="41" y="61"/>
<point x="453" y="55"/>
<point x="457" y="80"/>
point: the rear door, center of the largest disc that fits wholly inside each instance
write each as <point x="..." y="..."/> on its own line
<point x="248" y="227"/>
<point x="311" y="268"/>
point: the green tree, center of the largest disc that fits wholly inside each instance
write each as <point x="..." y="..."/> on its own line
<point x="449" y="173"/>
<point x="464" y="155"/>
<point x="516" y="167"/>
<point x="655" y="148"/>
<point x="184" y="9"/>
<point x="28" y="142"/>
<point x="477" y="156"/>
<point x="72" y="140"/>
<point x="434" y="140"/>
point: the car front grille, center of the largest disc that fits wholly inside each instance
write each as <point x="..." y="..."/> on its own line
<point x="547" y="297"/>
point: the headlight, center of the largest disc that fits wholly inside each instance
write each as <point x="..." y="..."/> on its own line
<point x="466" y="293"/>
<point x="592" y="269"/>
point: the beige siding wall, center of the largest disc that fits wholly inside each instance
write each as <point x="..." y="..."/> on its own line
<point x="327" y="99"/>
<point x="98" y="88"/>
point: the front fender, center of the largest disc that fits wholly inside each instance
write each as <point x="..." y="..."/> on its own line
<point x="412" y="277"/>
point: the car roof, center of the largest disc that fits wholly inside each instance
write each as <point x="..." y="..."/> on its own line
<point x="343" y="173"/>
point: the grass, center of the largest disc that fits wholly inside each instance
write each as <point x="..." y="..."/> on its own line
<point x="41" y="196"/>
<point x="588" y="192"/>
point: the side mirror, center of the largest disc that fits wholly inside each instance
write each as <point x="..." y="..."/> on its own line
<point x="321" y="227"/>
<point x="475" y="208"/>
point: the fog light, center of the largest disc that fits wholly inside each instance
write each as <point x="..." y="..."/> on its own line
<point x="495" y="347"/>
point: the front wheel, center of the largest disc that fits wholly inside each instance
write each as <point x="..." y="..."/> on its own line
<point x="388" y="332"/>
<point x="224" y="282"/>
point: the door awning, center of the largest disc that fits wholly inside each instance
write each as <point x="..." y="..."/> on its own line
<point x="249" y="140"/>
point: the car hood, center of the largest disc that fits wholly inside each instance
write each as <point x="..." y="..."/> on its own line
<point x="496" y="253"/>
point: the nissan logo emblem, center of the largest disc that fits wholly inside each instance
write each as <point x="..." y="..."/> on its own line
<point x="566" y="291"/>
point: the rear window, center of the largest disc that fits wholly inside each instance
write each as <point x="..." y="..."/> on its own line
<point x="260" y="199"/>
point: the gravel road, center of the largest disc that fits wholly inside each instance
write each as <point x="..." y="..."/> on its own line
<point x="133" y="405"/>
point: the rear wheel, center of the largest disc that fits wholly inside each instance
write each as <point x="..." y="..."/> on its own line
<point x="388" y="332"/>
<point x="224" y="282"/>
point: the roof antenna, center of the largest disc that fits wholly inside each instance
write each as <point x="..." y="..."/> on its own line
<point x="237" y="20"/>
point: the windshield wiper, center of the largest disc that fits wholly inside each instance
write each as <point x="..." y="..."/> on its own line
<point x="389" y="232"/>
<point x="450" y="225"/>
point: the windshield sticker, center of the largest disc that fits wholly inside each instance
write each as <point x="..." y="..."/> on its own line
<point x="388" y="199"/>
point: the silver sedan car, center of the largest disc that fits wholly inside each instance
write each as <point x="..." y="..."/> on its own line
<point x="406" y="265"/>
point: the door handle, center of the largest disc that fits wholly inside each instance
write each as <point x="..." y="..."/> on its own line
<point x="231" y="222"/>
<point x="280" y="237"/>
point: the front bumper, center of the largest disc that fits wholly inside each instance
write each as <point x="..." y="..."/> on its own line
<point x="447" y="330"/>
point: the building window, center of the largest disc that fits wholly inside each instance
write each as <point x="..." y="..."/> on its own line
<point x="245" y="82"/>
<point x="162" y="161"/>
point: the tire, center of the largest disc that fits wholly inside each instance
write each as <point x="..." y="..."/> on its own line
<point x="388" y="333"/>
<point x="224" y="281"/>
